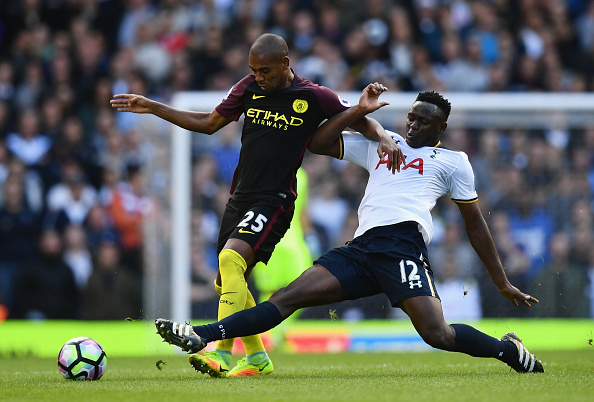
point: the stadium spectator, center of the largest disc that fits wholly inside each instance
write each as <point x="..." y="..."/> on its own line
<point x="515" y="261"/>
<point x="19" y="225"/>
<point x="129" y="206"/>
<point x="45" y="286"/>
<point x="324" y="64"/>
<point x="52" y="117"/>
<point x="29" y="90"/>
<point x="77" y="254"/>
<point x="329" y="23"/>
<point x="114" y="284"/>
<point x="531" y="227"/>
<point x="7" y="88"/>
<point x="564" y="281"/>
<point x="585" y="28"/>
<point x="204" y="297"/>
<point x="151" y="59"/>
<point x="428" y="26"/>
<point x="226" y="153"/>
<point x="454" y="246"/>
<point x="70" y="200"/>
<point x="400" y="46"/>
<point x="98" y="225"/>
<point x="72" y="144"/>
<point x="485" y="29"/>
<point x="32" y="183"/>
<point x="205" y="183"/>
<point x="27" y="143"/>
<point x="136" y="13"/>
<point x="460" y="295"/>
<point x="328" y="210"/>
<point x="487" y="158"/>
<point x="352" y="184"/>
<point x="581" y="240"/>
<point x="463" y="71"/>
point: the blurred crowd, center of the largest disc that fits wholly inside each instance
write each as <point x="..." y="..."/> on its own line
<point x="74" y="177"/>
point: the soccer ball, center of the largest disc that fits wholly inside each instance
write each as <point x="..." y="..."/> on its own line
<point x="82" y="358"/>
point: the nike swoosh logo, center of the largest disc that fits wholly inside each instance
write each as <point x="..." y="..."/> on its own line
<point x="254" y="96"/>
<point x="266" y="365"/>
<point x="245" y="231"/>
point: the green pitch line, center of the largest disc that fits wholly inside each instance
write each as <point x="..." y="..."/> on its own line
<point x="138" y="338"/>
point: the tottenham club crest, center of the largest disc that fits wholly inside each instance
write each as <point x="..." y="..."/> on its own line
<point x="300" y="106"/>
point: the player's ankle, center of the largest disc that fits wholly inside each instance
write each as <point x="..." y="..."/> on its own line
<point x="257" y="358"/>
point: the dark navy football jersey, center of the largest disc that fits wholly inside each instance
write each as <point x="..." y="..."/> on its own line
<point x="277" y="129"/>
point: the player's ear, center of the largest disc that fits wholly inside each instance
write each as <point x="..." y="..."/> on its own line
<point x="286" y="62"/>
<point x="443" y="127"/>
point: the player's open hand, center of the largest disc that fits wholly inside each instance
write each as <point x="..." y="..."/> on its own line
<point x="515" y="295"/>
<point x="369" y="99"/>
<point x="388" y="149"/>
<point x="130" y="103"/>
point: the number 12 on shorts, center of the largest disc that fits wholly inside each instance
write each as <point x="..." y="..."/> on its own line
<point x="414" y="279"/>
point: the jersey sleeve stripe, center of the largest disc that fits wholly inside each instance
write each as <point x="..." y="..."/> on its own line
<point x="465" y="201"/>
<point x="341" y="145"/>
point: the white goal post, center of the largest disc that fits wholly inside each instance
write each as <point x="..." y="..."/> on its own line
<point x="473" y="110"/>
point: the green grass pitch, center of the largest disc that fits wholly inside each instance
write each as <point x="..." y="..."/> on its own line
<point x="29" y="370"/>
<point x="433" y="376"/>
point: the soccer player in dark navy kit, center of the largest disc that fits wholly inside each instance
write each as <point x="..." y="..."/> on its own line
<point x="281" y="114"/>
<point x="389" y="252"/>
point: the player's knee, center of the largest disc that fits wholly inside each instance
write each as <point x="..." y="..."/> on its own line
<point x="231" y="263"/>
<point x="439" y="338"/>
<point x="279" y="298"/>
<point x="283" y="300"/>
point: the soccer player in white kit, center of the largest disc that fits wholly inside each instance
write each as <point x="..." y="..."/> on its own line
<point x="389" y="252"/>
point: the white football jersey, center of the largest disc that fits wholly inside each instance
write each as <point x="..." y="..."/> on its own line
<point x="408" y="195"/>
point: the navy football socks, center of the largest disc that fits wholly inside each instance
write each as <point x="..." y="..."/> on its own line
<point x="478" y="344"/>
<point x="252" y="321"/>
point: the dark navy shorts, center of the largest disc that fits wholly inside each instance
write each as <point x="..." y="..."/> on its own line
<point x="387" y="259"/>
<point x="260" y="223"/>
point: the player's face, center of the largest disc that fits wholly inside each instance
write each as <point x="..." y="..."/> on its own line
<point x="271" y="71"/>
<point x="424" y="125"/>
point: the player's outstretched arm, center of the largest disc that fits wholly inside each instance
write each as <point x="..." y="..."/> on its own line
<point x="326" y="139"/>
<point x="482" y="242"/>
<point x="200" y="122"/>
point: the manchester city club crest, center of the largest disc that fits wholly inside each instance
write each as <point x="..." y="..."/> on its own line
<point x="300" y="106"/>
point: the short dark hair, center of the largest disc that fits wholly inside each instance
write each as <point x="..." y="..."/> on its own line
<point x="436" y="99"/>
<point x="269" y="43"/>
